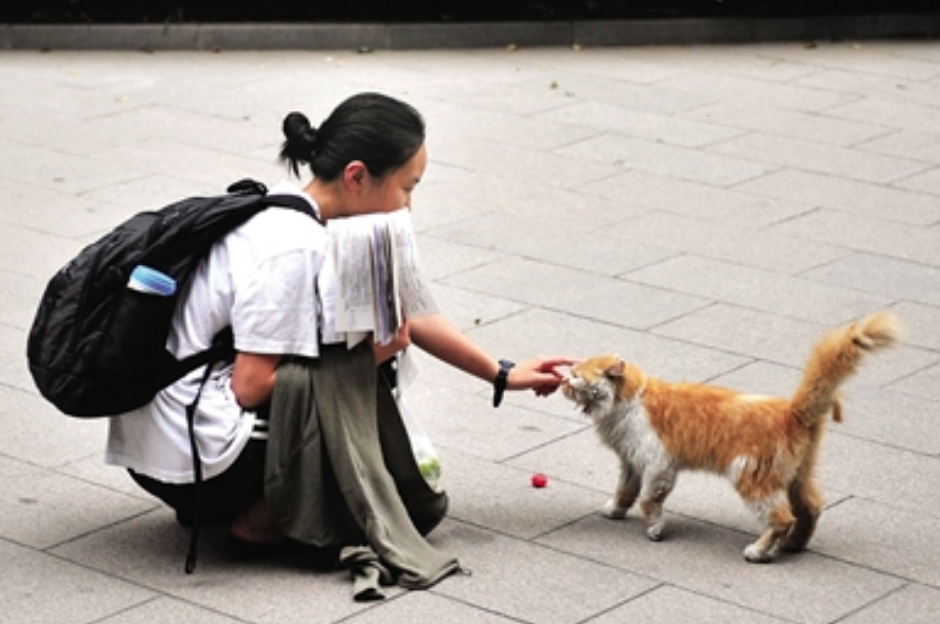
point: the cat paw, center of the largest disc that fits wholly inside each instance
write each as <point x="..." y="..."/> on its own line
<point x="755" y="554"/>
<point x="612" y="511"/>
<point x="795" y="544"/>
<point x="656" y="532"/>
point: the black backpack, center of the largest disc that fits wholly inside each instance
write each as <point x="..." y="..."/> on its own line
<point x="97" y="347"/>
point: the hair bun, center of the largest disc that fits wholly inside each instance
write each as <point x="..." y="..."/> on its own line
<point x="301" y="139"/>
<point x="298" y="131"/>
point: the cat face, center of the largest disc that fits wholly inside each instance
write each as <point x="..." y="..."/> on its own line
<point x="597" y="383"/>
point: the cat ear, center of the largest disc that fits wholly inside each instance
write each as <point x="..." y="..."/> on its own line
<point x="615" y="371"/>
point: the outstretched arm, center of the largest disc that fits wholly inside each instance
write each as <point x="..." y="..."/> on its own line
<point x="439" y="337"/>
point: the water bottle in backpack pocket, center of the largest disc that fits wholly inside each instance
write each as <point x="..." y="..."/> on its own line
<point x="149" y="297"/>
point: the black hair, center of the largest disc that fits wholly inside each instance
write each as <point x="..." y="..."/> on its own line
<point x="382" y="132"/>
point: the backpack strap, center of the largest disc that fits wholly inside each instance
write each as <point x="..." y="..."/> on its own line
<point x="197" y="468"/>
<point x="248" y="186"/>
<point x="223" y="349"/>
<point x="294" y="202"/>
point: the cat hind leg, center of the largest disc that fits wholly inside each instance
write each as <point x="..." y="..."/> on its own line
<point x="806" y="503"/>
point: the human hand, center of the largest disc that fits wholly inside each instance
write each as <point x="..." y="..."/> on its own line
<point x="399" y="342"/>
<point x="541" y="375"/>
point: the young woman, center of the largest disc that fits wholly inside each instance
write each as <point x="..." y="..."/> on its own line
<point x="271" y="280"/>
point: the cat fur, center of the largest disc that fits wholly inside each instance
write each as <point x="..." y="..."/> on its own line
<point x="767" y="447"/>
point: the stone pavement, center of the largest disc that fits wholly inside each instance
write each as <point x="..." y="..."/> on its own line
<point x="707" y="212"/>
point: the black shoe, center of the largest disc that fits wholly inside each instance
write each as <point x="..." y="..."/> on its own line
<point x="312" y="557"/>
<point x="242" y="550"/>
<point x="185" y="519"/>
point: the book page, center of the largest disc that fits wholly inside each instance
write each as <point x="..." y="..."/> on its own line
<point x="413" y="291"/>
<point x="380" y="282"/>
<point x="353" y="260"/>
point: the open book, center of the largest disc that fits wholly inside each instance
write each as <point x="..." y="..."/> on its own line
<point x="379" y="281"/>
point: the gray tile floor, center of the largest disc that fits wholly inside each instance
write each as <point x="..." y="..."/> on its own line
<point x="704" y="211"/>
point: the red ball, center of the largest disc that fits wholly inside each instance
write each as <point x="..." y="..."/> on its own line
<point x="539" y="480"/>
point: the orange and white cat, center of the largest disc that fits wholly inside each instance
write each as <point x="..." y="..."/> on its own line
<point x="766" y="446"/>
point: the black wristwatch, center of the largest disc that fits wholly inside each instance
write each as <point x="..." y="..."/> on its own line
<point x="499" y="384"/>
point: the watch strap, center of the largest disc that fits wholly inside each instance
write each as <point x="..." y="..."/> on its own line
<point x="499" y="384"/>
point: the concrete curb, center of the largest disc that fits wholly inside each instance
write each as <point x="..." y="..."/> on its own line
<point x="282" y="36"/>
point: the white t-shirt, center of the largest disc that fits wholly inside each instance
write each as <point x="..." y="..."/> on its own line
<point x="273" y="282"/>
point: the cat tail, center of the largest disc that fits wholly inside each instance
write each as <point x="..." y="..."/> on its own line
<point x="834" y="359"/>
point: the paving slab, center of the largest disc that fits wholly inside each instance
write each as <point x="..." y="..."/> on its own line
<point x="886" y="202"/>
<point x="504" y="579"/>
<point x="712" y="566"/>
<point x="705" y="211"/>
<point x="760" y="289"/>
<point x="855" y="231"/>
<point x="669" y="604"/>
<point x="41" y="588"/>
<point x="913" y="603"/>
<point x="911" y="558"/>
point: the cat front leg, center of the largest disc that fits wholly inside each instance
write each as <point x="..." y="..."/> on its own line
<point x="628" y="487"/>
<point x="653" y="494"/>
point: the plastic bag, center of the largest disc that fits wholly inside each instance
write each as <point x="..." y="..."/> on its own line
<point x="425" y="454"/>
